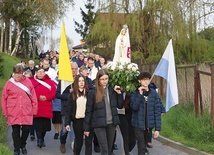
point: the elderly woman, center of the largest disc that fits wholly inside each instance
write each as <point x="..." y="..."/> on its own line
<point x="19" y="104"/>
<point x="45" y="90"/>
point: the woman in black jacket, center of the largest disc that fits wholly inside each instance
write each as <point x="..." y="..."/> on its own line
<point x="101" y="111"/>
<point x="75" y="111"/>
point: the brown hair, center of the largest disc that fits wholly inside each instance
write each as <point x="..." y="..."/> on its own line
<point x="99" y="89"/>
<point x="82" y="68"/>
<point x="76" y="92"/>
<point x="18" y="69"/>
<point x="144" y="75"/>
<point x="39" y="68"/>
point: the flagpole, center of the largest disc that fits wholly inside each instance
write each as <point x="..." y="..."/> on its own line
<point x="151" y="77"/>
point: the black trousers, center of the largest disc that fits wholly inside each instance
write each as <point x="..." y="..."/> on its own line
<point x="127" y="132"/>
<point x="20" y="134"/>
<point x="105" y="136"/>
<point x="149" y="136"/>
<point x="142" y="139"/>
<point x="32" y="130"/>
<point x="95" y="141"/>
<point x="78" y="142"/>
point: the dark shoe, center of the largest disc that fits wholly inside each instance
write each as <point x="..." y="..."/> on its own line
<point x="32" y="137"/>
<point x="149" y="145"/>
<point x="97" y="149"/>
<point x="56" y="135"/>
<point x="115" y="147"/>
<point x="24" y="150"/>
<point x="146" y="152"/>
<point x="16" y="152"/>
<point x="43" y="143"/>
<point x="39" y="143"/>
<point x="62" y="148"/>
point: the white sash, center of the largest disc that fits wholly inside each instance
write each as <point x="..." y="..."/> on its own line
<point x="20" y="85"/>
<point x="43" y="83"/>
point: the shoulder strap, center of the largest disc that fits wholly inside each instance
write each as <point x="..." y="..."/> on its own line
<point x="20" y="85"/>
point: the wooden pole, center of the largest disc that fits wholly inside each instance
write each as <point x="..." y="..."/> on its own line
<point x="196" y="89"/>
<point x="212" y="93"/>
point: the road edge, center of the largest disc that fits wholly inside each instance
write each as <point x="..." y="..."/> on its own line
<point x="181" y="147"/>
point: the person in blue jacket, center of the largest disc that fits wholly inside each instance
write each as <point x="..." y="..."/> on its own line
<point x="146" y="112"/>
<point x="163" y="111"/>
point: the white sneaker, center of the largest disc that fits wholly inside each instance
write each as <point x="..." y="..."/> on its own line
<point x="72" y="145"/>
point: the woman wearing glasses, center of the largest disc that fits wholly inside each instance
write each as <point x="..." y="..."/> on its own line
<point x="101" y="111"/>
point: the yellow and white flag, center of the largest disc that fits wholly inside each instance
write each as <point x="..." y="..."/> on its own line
<point x="65" y="71"/>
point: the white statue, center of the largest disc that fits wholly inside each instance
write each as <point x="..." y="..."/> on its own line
<point x="122" y="47"/>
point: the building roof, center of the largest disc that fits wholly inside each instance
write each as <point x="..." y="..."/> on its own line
<point x="80" y="46"/>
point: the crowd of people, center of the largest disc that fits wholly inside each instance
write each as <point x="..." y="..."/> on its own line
<point x="88" y="110"/>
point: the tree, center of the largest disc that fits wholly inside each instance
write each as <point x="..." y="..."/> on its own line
<point x="153" y="23"/>
<point x="30" y="17"/>
<point x="88" y="20"/>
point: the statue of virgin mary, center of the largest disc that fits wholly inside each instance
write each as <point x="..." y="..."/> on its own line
<point x="122" y="53"/>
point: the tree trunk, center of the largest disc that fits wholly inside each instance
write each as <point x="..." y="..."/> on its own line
<point x="2" y="34"/>
<point x="10" y="37"/>
<point x="17" y="41"/>
<point x="6" y="35"/>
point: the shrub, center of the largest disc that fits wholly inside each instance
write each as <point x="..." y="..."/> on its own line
<point x="4" y="150"/>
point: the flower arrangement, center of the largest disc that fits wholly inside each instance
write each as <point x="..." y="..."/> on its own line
<point x="123" y="75"/>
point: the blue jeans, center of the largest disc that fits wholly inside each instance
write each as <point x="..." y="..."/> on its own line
<point x="64" y="133"/>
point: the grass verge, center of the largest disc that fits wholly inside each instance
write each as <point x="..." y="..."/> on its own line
<point x="180" y="124"/>
<point x="7" y="64"/>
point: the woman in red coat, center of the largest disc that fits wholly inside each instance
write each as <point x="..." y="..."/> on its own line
<point x="19" y="104"/>
<point x="45" y="90"/>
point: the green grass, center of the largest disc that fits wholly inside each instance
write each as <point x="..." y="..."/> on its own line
<point x="181" y="125"/>
<point x="8" y="63"/>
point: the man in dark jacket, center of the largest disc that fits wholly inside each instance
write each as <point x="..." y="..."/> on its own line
<point x="146" y="112"/>
<point x="64" y="97"/>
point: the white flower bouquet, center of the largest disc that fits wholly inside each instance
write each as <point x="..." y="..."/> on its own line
<point x="123" y="75"/>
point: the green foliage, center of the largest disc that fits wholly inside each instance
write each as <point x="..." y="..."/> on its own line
<point x="4" y="150"/>
<point x="88" y="20"/>
<point x="8" y="63"/>
<point x="1" y="65"/>
<point x="207" y="33"/>
<point x="180" y="124"/>
<point x="3" y="128"/>
<point x="151" y="25"/>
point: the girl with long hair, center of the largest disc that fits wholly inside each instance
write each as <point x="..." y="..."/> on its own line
<point x="75" y="111"/>
<point x="101" y="111"/>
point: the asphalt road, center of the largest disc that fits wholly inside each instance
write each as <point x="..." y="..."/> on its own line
<point x="52" y="147"/>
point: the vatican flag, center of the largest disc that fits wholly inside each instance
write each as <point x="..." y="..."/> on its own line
<point x="65" y="71"/>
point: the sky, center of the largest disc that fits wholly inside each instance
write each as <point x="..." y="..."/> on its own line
<point x="72" y="14"/>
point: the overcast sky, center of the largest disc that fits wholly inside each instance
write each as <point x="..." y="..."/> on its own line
<point x="73" y="13"/>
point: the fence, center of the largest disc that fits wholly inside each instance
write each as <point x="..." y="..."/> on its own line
<point x="195" y="85"/>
